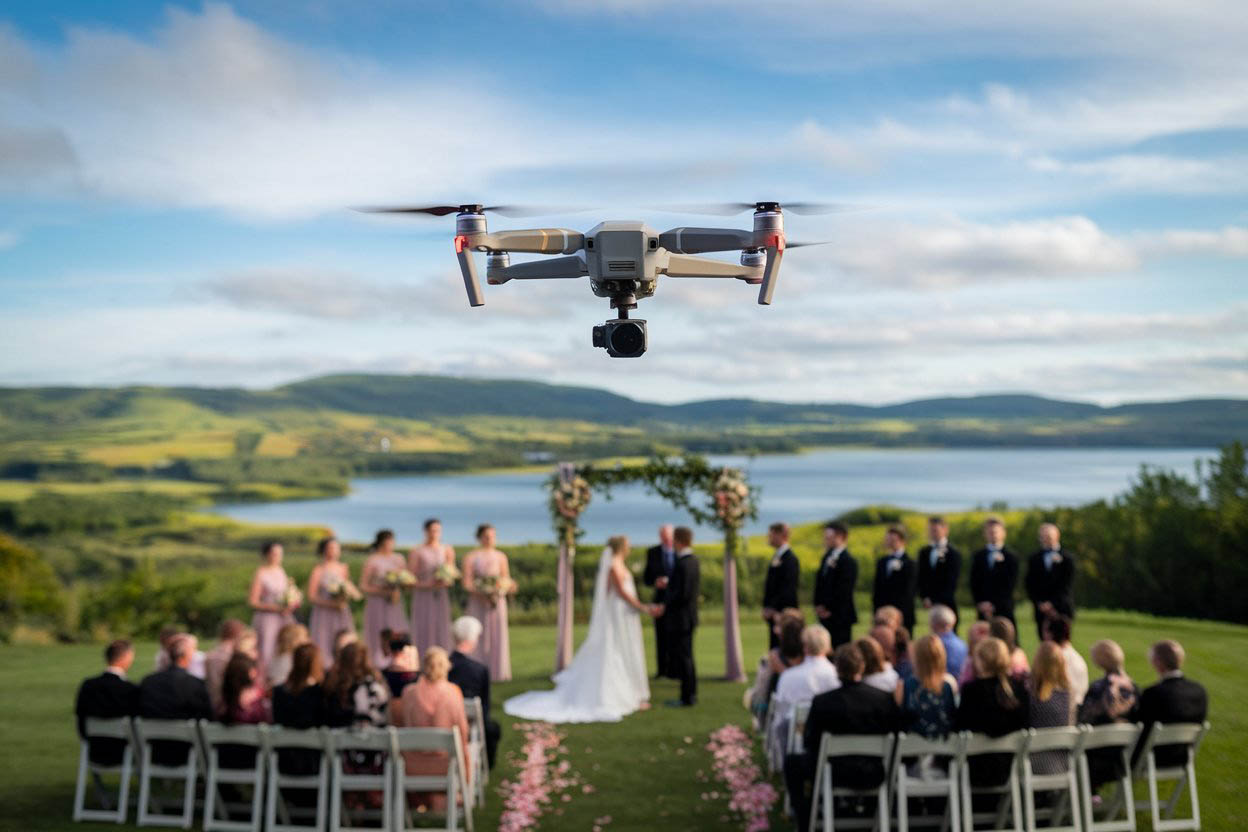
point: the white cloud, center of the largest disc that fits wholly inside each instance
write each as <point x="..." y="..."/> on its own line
<point x="1230" y="241"/>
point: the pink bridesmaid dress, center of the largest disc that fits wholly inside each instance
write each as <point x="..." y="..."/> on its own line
<point x="326" y="623"/>
<point x="431" y="608"/>
<point x="379" y="613"/>
<point x="494" y="648"/>
<point x="267" y="624"/>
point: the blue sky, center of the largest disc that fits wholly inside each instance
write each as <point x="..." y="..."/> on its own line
<point x="1053" y="193"/>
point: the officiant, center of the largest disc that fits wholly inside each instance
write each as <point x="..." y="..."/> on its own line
<point x="660" y="561"/>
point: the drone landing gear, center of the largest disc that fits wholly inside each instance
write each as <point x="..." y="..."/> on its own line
<point x="624" y="337"/>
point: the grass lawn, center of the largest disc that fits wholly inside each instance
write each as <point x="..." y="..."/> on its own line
<point x="644" y="772"/>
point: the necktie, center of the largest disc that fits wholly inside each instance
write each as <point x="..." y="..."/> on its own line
<point x="1048" y="560"/>
<point x="935" y="555"/>
<point x="992" y="556"/>
<point x="669" y="562"/>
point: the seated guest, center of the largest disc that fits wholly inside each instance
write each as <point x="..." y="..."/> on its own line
<point x="993" y="703"/>
<point x="288" y="638"/>
<point x="853" y="708"/>
<point x="431" y="702"/>
<point x="1174" y="699"/>
<point x="244" y="694"/>
<point x="218" y="657"/>
<point x="777" y="660"/>
<point x="167" y="635"/>
<point x="978" y="631"/>
<point x="472" y="677"/>
<point x="942" y="619"/>
<point x="903" y="664"/>
<point x="928" y="699"/>
<point x="1057" y="630"/>
<point x="173" y="693"/>
<point x="404" y="664"/>
<point x="108" y="696"/>
<point x="1051" y="705"/>
<point x="800" y="684"/>
<point x="355" y="694"/>
<point x="300" y="703"/>
<point x="1003" y="628"/>
<point x="887" y="639"/>
<point x="887" y="616"/>
<point x="385" y="635"/>
<point x="877" y="672"/>
<point x="341" y="639"/>
<point x="1112" y="698"/>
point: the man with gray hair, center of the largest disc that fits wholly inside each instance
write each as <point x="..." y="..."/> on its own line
<point x="472" y="677"/>
<point x="173" y="693"/>
<point x="942" y="619"/>
<point x="1174" y="698"/>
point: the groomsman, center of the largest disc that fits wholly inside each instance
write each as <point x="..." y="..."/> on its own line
<point x="680" y="612"/>
<point x="780" y="590"/>
<point x="994" y="574"/>
<point x="1051" y="578"/>
<point x="895" y="577"/>
<point x="834" y="585"/>
<point x="660" y="561"/>
<point x="940" y="564"/>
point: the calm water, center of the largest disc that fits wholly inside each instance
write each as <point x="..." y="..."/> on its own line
<point x="797" y="489"/>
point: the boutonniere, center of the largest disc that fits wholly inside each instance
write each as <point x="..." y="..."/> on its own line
<point x="776" y="560"/>
<point x="1057" y="558"/>
<point x="894" y="564"/>
<point x="997" y="557"/>
<point x="940" y="555"/>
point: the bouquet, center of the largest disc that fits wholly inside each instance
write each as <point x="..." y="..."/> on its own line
<point x="292" y="597"/>
<point x="399" y="579"/>
<point x="341" y="590"/>
<point x="495" y="586"/>
<point x="447" y="573"/>
<point x="731" y="501"/>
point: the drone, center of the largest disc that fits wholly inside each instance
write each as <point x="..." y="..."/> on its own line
<point x="622" y="259"/>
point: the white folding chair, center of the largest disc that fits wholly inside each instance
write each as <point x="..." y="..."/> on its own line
<point x="930" y="782"/>
<point x="1190" y="735"/>
<point x="479" y="765"/>
<point x="769" y="719"/>
<point x="823" y="802"/>
<point x="1066" y="741"/>
<point x="453" y="783"/>
<point x="147" y="731"/>
<point x="107" y="729"/>
<point x="1119" y="737"/>
<point x="794" y="743"/>
<point x="369" y="741"/>
<point x="286" y="739"/>
<point x="1007" y="794"/>
<point x="214" y="735"/>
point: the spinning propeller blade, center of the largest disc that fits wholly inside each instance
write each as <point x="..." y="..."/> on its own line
<point x="730" y="208"/>
<point x="501" y="210"/>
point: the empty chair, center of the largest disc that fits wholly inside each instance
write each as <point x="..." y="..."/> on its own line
<point x="823" y="804"/>
<point x="479" y="765"/>
<point x="927" y="780"/>
<point x="118" y="730"/>
<point x="453" y="783"/>
<point x="168" y="736"/>
<point x="1184" y="734"/>
<point x="1008" y="799"/>
<point x="1068" y="742"/>
<point x="1119" y="738"/>
<point x="369" y="742"/>
<point x="215" y="735"/>
<point x="297" y="760"/>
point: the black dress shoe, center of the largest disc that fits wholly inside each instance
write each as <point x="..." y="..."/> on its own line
<point x="677" y="703"/>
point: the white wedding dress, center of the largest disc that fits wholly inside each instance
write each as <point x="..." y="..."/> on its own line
<point x="606" y="680"/>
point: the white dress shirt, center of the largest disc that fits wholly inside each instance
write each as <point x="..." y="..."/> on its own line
<point x="801" y="683"/>
<point x="885" y="680"/>
<point x="1076" y="673"/>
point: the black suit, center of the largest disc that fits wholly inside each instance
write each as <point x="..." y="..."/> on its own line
<point x="996" y="583"/>
<point x="1055" y="585"/>
<point x="1173" y="700"/>
<point x="939" y="583"/>
<point x="895" y="587"/>
<point x="173" y="693"/>
<point x="107" y="696"/>
<point x="473" y="678"/>
<point x="780" y="588"/>
<point x="681" y="617"/>
<point x="834" y="590"/>
<point x="854" y="708"/>
<point x="656" y="567"/>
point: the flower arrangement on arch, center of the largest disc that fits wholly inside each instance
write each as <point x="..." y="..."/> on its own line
<point x="731" y="498"/>
<point x="568" y="500"/>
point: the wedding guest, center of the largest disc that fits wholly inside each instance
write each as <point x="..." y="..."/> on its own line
<point x="341" y="639"/>
<point x="993" y="703"/>
<point x="1113" y="697"/>
<point x="877" y="672"/>
<point x="494" y="648"/>
<point x="887" y="639"/>
<point x="248" y="644"/>
<point x="895" y="577"/>
<point x="173" y="693"/>
<point x="978" y="631"/>
<point x="1003" y="628"/>
<point x="1174" y="698"/>
<point x="928" y="699"/>
<point x="853" y="708"/>
<point x="1051" y="578"/>
<point x="940" y="564"/>
<point x="355" y="694"/>
<point x="473" y="678"/>
<point x="660" y="561"/>
<point x="167" y="635"/>
<point x="887" y="616"/>
<point x="387" y="635"/>
<point x="775" y="661"/>
<point x="780" y="587"/>
<point x="384" y="605"/>
<point x="816" y="674"/>
<point x="404" y="667"/>
<point x="1057" y="630"/>
<point x="331" y="614"/>
<point x="431" y="599"/>
<point x="271" y="599"/>
<point x="299" y="703"/>
<point x="108" y="696"/>
<point x="1051" y="704"/>
<point x="941" y="619"/>
<point x="246" y="702"/>
<point x="994" y="574"/>
<point x="288" y="638"/>
<point x="834" y="585"/>
<point x="218" y="657"/>
<point x="431" y="702"/>
<point x="904" y="664"/>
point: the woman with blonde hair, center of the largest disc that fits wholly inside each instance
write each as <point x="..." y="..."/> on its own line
<point x="431" y="702"/>
<point x="288" y="638"/>
<point x="993" y="703"/>
<point x="928" y="699"/>
<point x="1051" y="704"/>
<point x="1112" y="698"/>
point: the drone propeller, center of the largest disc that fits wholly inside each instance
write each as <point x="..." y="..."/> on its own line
<point x="730" y="208"/>
<point x="470" y="208"/>
<point x="791" y="244"/>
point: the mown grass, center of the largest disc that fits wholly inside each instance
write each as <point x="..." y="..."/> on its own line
<point x="644" y="772"/>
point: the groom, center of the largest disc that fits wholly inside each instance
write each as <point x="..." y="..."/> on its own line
<point x="680" y="614"/>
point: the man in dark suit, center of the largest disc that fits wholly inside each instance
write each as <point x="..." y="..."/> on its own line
<point x="834" y="585"/>
<point x="1051" y="578"/>
<point x="108" y="696"/>
<point x="680" y="611"/>
<point x="780" y="589"/>
<point x="473" y="678"/>
<point x="940" y="564"/>
<point x="173" y="693"/>
<point x="994" y="574"/>
<point x="660" y="561"/>
<point x="853" y="708"/>
<point x="1173" y="699"/>
<point x="895" y="577"/>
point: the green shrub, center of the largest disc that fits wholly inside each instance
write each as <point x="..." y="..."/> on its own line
<point x="29" y="590"/>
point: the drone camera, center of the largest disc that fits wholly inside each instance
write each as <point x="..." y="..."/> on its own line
<point x="624" y="338"/>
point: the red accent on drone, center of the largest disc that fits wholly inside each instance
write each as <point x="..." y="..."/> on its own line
<point x="777" y="241"/>
<point x="461" y="242"/>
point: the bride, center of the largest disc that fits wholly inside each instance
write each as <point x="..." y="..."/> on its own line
<point x="607" y="678"/>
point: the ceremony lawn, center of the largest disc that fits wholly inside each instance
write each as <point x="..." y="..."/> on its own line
<point x="645" y="770"/>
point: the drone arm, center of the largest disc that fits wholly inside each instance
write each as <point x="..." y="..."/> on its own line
<point x="771" y="272"/>
<point x="683" y="265"/>
<point x="553" y="269"/>
<point x="468" y="267"/>
<point x="686" y="240"/>
<point x="534" y="241"/>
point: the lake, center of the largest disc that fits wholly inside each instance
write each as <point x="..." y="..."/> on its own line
<point x="798" y="489"/>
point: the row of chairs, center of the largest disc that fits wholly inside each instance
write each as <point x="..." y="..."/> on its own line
<point x="268" y="807"/>
<point x="1067" y="807"/>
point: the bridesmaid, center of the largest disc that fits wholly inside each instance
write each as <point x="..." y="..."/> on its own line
<point x="268" y="598"/>
<point x="384" y="607"/>
<point x="494" y="648"/>
<point x="330" y="616"/>
<point x="431" y="603"/>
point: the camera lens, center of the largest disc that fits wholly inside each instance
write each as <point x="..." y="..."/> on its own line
<point x="600" y="336"/>
<point x="628" y="339"/>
